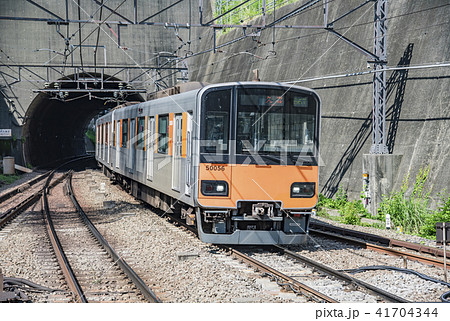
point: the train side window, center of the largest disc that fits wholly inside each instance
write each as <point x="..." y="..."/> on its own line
<point x="102" y="131"/>
<point x="163" y="134"/>
<point x="114" y="134"/>
<point x="140" y="131"/>
<point x="215" y="126"/>
<point x="107" y="133"/>
<point x="124" y="133"/>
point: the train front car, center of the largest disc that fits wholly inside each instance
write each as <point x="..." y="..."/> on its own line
<point x="258" y="163"/>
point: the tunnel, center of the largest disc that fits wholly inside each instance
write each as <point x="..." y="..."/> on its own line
<point x="56" y="123"/>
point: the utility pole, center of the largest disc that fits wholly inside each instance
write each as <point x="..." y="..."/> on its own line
<point x="379" y="80"/>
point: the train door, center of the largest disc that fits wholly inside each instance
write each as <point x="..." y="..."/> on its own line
<point x="177" y="148"/>
<point x="97" y="141"/>
<point x="103" y="141"/>
<point x="132" y="145"/>
<point x="118" y="141"/>
<point x="113" y="139"/>
<point x="188" y="163"/>
<point x="151" y="147"/>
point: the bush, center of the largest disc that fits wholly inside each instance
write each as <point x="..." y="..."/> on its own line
<point x="442" y="214"/>
<point x="350" y="213"/>
<point x="408" y="212"/>
<point x="340" y="199"/>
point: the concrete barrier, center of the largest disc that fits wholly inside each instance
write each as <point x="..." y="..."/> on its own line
<point x="8" y="165"/>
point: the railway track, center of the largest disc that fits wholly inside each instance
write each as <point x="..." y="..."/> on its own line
<point x="15" y="201"/>
<point x="285" y="280"/>
<point x="93" y="270"/>
<point x="358" y="284"/>
<point x="367" y="240"/>
<point x="292" y="278"/>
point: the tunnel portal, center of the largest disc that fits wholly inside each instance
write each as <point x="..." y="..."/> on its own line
<point x="57" y="119"/>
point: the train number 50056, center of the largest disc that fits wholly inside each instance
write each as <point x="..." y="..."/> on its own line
<point x="215" y="168"/>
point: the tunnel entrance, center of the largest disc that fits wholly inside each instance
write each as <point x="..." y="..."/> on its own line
<point x="57" y="119"/>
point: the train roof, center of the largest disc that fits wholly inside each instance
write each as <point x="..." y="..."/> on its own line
<point x="204" y="87"/>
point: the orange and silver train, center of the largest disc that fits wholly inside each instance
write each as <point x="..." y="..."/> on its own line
<point x="238" y="160"/>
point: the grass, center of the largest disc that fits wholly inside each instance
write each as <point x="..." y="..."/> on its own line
<point x="91" y="135"/>
<point x="8" y="179"/>
<point x="350" y="212"/>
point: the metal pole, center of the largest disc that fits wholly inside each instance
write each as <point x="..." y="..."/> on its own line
<point x="445" y="254"/>
<point x="379" y="80"/>
<point x="325" y="13"/>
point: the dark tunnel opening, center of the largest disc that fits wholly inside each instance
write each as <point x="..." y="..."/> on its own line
<point x="55" y="127"/>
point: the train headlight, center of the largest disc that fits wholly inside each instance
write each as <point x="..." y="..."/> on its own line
<point x="214" y="188"/>
<point x="303" y="190"/>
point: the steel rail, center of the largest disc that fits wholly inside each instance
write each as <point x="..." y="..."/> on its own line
<point x="54" y="240"/>
<point x="303" y="288"/>
<point x="342" y="276"/>
<point x="20" y="188"/>
<point x="64" y="264"/>
<point x="138" y="282"/>
<point x="380" y="239"/>
<point x="13" y="212"/>
<point x="381" y="249"/>
<point x="298" y="286"/>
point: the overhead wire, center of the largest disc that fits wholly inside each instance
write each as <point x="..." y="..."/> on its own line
<point x="341" y="28"/>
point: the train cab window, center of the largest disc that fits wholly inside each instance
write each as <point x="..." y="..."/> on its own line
<point x="124" y="133"/>
<point x="215" y="126"/>
<point x="140" y="131"/>
<point x="275" y="122"/>
<point x="163" y="134"/>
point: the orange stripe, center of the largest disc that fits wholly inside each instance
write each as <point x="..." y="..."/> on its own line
<point x="184" y="135"/>
<point x="170" y="134"/>
<point x="145" y="133"/>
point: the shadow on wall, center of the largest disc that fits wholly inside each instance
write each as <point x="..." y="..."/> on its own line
<point x="397" y="81"/>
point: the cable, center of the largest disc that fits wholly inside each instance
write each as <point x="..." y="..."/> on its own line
<point x="341" y="28"/>
<point x="27" y="285"/>
<point x="444" y="297"/>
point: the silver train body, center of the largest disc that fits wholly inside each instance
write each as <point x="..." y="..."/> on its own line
<point x="239" y="160"/>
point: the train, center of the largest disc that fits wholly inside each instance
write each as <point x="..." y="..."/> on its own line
<point x="237" y="160"/>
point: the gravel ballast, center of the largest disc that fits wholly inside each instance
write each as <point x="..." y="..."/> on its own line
<point x="155" y="249"/>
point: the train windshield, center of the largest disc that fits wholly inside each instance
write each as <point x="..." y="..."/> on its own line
<point x="216" y="113"/>
<point x="274" y="122"/>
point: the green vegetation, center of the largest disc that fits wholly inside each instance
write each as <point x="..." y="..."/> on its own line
<point x="247" y="11"/>
<point x="349" y="212"/>
<point x="408" y="212"/>
<point x="411" y="213"/>
<point x="8" y="179"/>
<point x="91" y="135"/>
